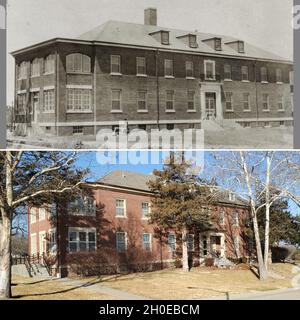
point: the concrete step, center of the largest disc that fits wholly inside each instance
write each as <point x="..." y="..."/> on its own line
<point x="211" y="125"/>
<point x="230" y="124"/>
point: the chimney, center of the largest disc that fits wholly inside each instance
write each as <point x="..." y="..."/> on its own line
<point x="150" y="17"/>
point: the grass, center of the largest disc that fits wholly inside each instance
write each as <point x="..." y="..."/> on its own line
<point x="36" y="289"/>
<point x="199" y="283"/>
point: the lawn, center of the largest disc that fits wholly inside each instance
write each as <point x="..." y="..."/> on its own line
<point x="199" y="283"/>
<point x="37" y="289"/>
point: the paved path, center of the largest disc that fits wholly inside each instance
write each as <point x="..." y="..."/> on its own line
<point x="282" y="294"/>
<point x="98" y="288"/>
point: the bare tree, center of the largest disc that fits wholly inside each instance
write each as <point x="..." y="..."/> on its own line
<point x="30" y="178"/>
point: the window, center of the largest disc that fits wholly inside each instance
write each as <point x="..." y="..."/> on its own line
<point x="264" y="74"/>
<point x="78" y="63"/>
<point x="281" y="123"/>
<point x="241" y="47"/>
<point x="246" y="101"/>
<point x="120" y="208"/>
<point x="170" y="126"/>
<point x="165" y="37"/>
<point x="142" y="127"/>
<point x="116" y="95"/>
<point x="189" y="66"/>
<point x="169" y="100"/>
<point x="121" y="239"/>
<point x="266" y="124"/>
<point x="218" y="44"/>
<point x="82" y="239"/>
<point x="235" y="219"/>
<point x="147" y="241"/>
<point x="35" y="101"/>
<point x="32" y="215"/>
<point x="79" y="100"/>
<point x="265" y="101"/>
<point x="172" y="242"/>
<point x="115" y="62"/>
<point x="222" y="218"/>
<point x="145" y="210"/>
<point x="22" y="70"/>
<point x="48" y="100"/>
<point x="52" y="209"/>
<point x="49" y="64"/>
<point x="191" y="100"/>
<point x="33" y="244"/>
<point x="42" y="214"/>
<point x="247" y="124"/>
<point x="245" y="73"/>
<point x="21" y="100"/>
<point x="236" y="243"/>
<point x="279" y="75"/>
<point x="42" y="242"/>
<point x="193" y="41"/>
<point x="190" y="242"/>
<point x="84" y="205"/>
<point x="280" y="102"/>
<point x="141" y="66"/>
<point x="52" y="241"/>
<point x="232" y="196"/>
<point x="35" y="68"/>
<point x="142" y="100"/>
<point x="228" y="98"/>
<point x="209" y="70"/>
<point x="78" y="130"/>
<point x="227" y="72"/>
<point x="169" y="68"/>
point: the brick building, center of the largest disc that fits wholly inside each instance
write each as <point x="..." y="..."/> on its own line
<point x="149" y="76"/>
<point x="109" y="231"/>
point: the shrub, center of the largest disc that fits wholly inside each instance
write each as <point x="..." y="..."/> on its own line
<point x="209" y="262"/>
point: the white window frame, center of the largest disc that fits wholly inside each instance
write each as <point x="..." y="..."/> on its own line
<point x="281" y="97"/>
<point x="118" y="57"/>
<point x="189" y="66"/>
<point x="49" y="101"/>
<point x="169" y="247"/>
<point x="42" y="217"/>
<point x="33" y="215"/>
<point x="214" y="69"/>
<point x="145" y="217"/>
<point x="173" y="101"/>
<point x="49" y="64"/>
<point x="141" y="63"/>
<point x="84" y="61"/>
<point x="35" y="68"/>
<point x="266" y="102"/>
<point x="236" y="243"/>
<point x="225" y="72"/>
<point x="162" y="37"/>
<point x="191" y="101"/>
<point x="150" y="241"/>
<point x="124" y="208"/>
<point x="245" y="68"/>
<point x="189" y="242"/>
<point x="246" y="101"/>
<point x="77" y="98"/>
<point x="262" y="75"/>
<point x="166" y="68"/>
<point x="33" y="252"/>
<point x="140" y="100"/>
<point x="52" y="246"/>
<point x="42" y="242"/>
<point x="77" y="241"/>
<point x="113" y="110"/>
<point x="222" y="218"/>
<point x="235" y="219"/>
<point x="231" y="101"/>
<point x="125" y="242"/>
<point x="279" y="73"/>
<point x="22" y="70"/>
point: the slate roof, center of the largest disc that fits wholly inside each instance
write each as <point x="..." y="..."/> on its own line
<point x="138" y="181"/>
<point x="138" y="35"/>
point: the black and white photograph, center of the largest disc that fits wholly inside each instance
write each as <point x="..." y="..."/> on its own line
<point x="223" y="67"/>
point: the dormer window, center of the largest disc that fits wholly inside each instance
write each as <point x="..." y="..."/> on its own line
<point x="214" y="43"/>
<point x="161" y="36"/>
<point x="193" y="41"/>
<point x="237" y="45"/>
<point x="165" y="37"/>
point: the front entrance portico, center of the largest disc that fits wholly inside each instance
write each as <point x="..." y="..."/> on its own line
<point x="211" y="101"/>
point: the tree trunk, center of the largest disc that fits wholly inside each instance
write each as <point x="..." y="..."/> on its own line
<point x="185" y="256"/>
<point x="267" y="225"/>
<point x="5" y="258"/>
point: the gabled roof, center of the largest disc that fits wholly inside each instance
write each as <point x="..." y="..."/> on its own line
<point x="127" y="179"/>
<point x="139" y="35"/>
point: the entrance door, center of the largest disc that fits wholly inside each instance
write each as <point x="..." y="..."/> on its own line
<point x="215" y="242"/>
<point x="35" y="105"/>
<point x="210" y="105"/>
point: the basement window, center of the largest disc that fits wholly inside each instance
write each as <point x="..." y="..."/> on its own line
<point x="78" y="130"/>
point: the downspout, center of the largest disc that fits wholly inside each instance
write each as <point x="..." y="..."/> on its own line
<point x="256" y="93"/>
<point x="56" y="90"/>
<point x="157" y="88"/>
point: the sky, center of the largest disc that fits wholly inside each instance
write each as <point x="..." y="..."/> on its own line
<point x="265" y="23"/>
